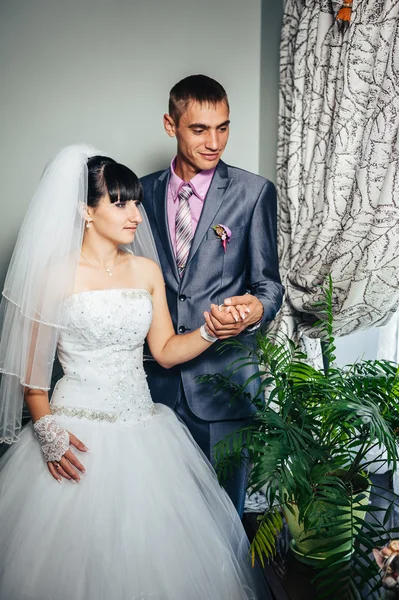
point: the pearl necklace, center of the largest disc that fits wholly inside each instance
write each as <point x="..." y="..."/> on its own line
<point x="109" y="270"/>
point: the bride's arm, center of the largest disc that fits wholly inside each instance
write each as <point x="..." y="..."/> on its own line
<point x="46" y="430"/>
<point x="37" y="403"/>
<point x="167" y="348"/>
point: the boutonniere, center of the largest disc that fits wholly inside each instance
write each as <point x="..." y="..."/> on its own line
<point x="223" y="233"/>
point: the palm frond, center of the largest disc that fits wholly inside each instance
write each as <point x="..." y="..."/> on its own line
<point x="309" y="442"/>
<point x="263" y="545"/>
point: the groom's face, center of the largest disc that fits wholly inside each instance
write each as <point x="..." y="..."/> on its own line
<point x="201" y="134"/>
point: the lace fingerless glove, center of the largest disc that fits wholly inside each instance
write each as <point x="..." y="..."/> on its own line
<point x="53" y="439"/>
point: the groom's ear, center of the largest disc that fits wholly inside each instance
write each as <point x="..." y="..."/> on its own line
<point x="169" y="125"/>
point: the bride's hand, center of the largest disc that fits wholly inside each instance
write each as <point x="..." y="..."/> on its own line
<point x="55" y="442"/>
<point x="239" y="312"/>
<point x="69" y="465"/>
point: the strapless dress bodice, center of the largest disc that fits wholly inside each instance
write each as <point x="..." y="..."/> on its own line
<point x="101" y="353"/>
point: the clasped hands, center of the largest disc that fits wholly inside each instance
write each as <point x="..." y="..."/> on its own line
<point x="233" y="316"/>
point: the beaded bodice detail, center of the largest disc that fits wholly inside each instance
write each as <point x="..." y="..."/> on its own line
<point x="101" y="353"/>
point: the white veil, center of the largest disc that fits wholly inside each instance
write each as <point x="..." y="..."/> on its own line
<point x="40" y="276"/>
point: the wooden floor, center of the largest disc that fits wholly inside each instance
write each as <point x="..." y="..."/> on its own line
<point x="288" y="579"/>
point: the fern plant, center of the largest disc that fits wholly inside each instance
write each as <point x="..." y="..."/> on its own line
<point x="308" y="446"/>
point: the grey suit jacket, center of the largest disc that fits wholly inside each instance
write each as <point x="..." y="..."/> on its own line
<point x="246" y="203"/>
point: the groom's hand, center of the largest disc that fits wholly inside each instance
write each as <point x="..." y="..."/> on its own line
<point x="235" y="315"/>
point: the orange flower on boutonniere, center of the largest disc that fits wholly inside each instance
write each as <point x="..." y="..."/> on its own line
<point x="223" y="233"/>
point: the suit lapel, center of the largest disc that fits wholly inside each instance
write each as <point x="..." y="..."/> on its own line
<point x="161" y="217"/>
<point x="214" y="198"/>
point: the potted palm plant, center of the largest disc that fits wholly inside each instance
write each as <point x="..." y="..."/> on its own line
<point x="309" y="445"/>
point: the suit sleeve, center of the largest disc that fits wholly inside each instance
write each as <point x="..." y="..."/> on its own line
<point x="263" y="278"/>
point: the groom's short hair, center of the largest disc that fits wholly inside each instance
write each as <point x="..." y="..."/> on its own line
<point x="195" y="88"/>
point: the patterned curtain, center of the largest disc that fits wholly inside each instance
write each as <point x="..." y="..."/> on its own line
<point x="337" y="166"/>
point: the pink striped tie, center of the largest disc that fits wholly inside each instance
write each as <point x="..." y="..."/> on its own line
<point x="184" y="232"/>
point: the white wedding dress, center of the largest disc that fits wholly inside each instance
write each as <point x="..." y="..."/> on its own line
<point x="149" y="520"/>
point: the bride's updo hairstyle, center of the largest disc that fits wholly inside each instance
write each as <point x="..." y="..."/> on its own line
<point x="106" y="175"/>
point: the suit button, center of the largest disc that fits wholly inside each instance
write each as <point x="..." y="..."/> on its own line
<point x="182" y="329"/>
<point x="182" y="297"/>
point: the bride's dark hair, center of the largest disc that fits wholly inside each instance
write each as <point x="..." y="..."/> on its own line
<point x="106" y="175"/>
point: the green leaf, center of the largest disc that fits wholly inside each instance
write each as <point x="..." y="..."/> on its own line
<point x="309" y="442"/>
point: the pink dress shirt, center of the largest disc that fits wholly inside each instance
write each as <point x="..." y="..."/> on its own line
<point x="200" y="186"/>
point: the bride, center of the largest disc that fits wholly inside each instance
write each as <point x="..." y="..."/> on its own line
<point x="106" y="496"/>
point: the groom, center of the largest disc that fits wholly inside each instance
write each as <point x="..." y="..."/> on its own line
<point x="194" y="195"/>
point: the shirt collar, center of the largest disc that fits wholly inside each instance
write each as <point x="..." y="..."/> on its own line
<point x="199" y="183"/>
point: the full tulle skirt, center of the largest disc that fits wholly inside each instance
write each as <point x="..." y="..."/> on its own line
<point x="148" y="521"/>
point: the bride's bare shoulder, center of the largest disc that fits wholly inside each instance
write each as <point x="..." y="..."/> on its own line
<point x="142" y="264"/>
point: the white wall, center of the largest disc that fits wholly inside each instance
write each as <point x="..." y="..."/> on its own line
<point x="100" y="72"/>
<point x="359" y="345"/>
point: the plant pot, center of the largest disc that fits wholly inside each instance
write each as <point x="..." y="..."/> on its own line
<point x="310" y="551"/>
